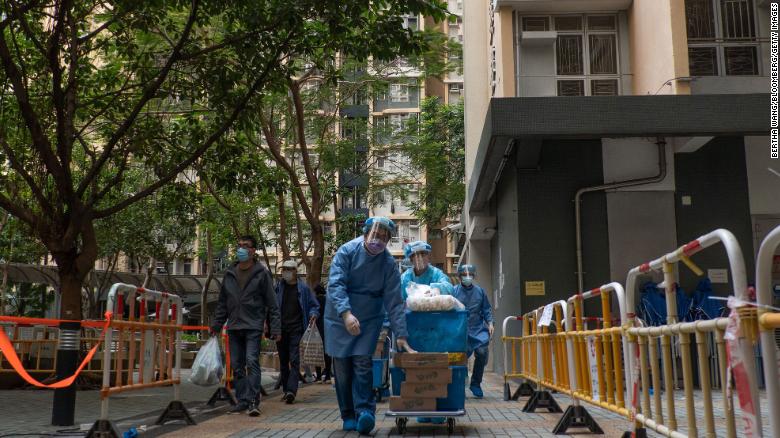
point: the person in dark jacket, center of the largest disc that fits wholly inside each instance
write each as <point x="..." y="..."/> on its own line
<point x="246" y="295"/>
<point x="323" y="375"/>
<point x="298" y="308"/>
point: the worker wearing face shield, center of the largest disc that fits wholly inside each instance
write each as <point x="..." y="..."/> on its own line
<point x="363" y="284"/>
<point x="480" y="324"/>
<point x="421" y="271"/>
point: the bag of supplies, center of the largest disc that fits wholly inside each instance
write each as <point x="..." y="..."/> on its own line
<point x="423" y="298"/>
<point x="312" y="351"/>
<point x="207" y="369"/>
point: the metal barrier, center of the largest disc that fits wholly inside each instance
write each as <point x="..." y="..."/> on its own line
<point x="36" y="345"/>
<point x="586" y="348"/>
<point x="642" y="348"/>
<point x="155" y="347"/>
<point x="769" y="323"/>
<point x="614" y="366"/>
<point x="525" y="388"/>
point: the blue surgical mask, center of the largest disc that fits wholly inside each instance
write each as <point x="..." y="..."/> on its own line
<point x="375" y="246"/>
<point x="242" y="254"/>
<point x="467" y="281"/>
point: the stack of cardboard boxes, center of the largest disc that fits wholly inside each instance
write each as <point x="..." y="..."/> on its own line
<point x="426" y="378"/>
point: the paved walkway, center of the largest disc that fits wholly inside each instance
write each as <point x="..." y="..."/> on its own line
<point x="29" y="411"/>
<point x="315" y="414"/>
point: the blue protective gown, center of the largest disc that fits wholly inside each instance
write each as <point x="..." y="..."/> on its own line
<point x="433" y="277"/>
<point x="368" y="286"/>
<point x="480" y="314"/>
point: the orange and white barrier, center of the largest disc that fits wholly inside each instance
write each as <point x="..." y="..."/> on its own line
<point x="145" y="354"/>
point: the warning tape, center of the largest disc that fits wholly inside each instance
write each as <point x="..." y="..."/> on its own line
<point x="49" y="322"/>
<point x="10" y="355"/>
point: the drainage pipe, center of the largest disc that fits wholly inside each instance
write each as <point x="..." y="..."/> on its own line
<point x="661" y="142"/>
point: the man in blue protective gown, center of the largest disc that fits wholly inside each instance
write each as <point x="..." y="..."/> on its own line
<point x="422" y="272"/>
<point x="364" y="283"/>
<point x="480" y="323"/>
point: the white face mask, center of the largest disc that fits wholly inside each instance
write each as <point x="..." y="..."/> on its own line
<point x="288" y="276"/>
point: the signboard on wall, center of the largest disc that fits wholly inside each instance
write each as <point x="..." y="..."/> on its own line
<point x="719" y="276"/>
<point x="534" y="288"/>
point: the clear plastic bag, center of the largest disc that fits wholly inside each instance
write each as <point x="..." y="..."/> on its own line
<point x="414" y="290"/>
<point x="311" y="348"/>
<point x="434" y="303"/>
<point x="208" y="369"/>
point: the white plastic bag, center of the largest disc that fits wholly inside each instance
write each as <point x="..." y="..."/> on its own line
<point x="414" y="290"/>
<point x="207" y="369"/>
<point x="437" y="303"/>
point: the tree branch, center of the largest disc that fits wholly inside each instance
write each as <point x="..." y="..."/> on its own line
<point x="19" y="168"/>
<point x="148" y="94"/>
<point x="40" y="141"/>
<point x="239" y="108"/>
<point x="83" y="39"/>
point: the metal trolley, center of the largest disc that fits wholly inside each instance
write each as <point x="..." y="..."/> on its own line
<point x="455" y="401"/>
<point x="401" y="418"/>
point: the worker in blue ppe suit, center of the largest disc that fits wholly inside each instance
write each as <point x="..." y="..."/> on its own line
<point x="421" y="272"/>
<point x="480" y="323"/>
<point x="364" y="283"/>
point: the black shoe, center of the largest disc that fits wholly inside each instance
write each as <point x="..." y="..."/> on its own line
<point x="289" y="398"/>
<point x="254" y="410"/>
<point x="240" y="408"/>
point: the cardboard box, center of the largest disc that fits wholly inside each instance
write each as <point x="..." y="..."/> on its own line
<point x="423" y="390"/>
<point x="421" y="360"/>
<point x="428" y="375"/>
<point x="400" y="404"/>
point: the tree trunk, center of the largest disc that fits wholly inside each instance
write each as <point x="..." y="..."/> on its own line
<point x="70" y="292"/>
<point x="314" y="275"/>
<point x="209" y="275"/>
<point x="282" y="226"/>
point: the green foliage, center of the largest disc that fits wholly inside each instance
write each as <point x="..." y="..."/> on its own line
<point x="93" y="91"/>
<point x="435" y="145"/>
<point x="17" y="242"/>
<point x="26" y="299"/>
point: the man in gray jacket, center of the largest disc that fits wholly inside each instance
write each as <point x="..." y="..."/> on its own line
<point x="246" y="295"/>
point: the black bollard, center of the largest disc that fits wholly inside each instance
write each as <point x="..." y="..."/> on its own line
<point x="64" y="403"/>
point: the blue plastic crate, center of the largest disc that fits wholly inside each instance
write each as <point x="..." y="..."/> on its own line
<point x="438" y="332"/>
<point x="379" y="367"/>
<point x="456" y="391"/>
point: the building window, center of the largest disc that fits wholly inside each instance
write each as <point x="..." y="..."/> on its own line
<point x="586" y="53"/>
<point x="455" y="92"/>
<point x="399" y="93"/>
<point x="722" y="37"/>
<point x="410" y="23"/>
<point x="536" y="24"/>
<point x="187" y="267"/>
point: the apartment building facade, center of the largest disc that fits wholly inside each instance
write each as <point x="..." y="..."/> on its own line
<point x="652" y="115"/>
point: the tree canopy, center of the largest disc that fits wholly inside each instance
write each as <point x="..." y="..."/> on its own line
<point x="95" y="90"/>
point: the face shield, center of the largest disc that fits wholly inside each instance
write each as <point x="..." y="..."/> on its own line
<point x="377" y="237"/>
<point x="466" y="273"/>
<point x="421" y="260"/>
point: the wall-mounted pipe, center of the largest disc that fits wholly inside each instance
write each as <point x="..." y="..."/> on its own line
<point x="661" y="142"/>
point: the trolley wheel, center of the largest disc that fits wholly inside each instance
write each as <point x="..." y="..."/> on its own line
<point x="450" y="425"/>
<point x="400" y="423"/>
